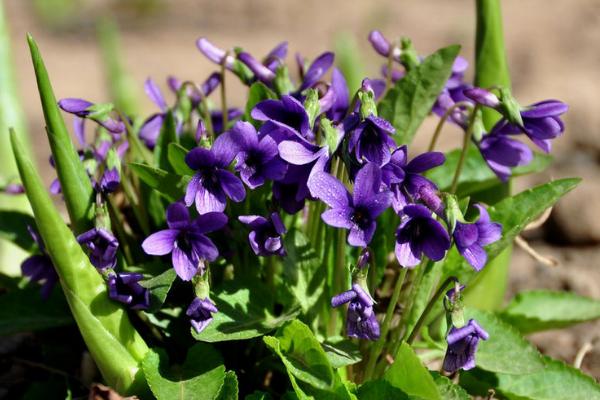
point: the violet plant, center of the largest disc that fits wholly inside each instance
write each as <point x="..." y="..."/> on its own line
<point x="299" y="239"/>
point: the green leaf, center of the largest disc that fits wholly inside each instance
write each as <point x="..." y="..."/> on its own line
<point x="229" y="390"/>
<point x="557" y="381"/>
<point x="169" y="185"/>
<point x="381" y="389"/>
<point x="13" y="228"/>
<point x="408" y="374"/>
<point x="74" y="181"/>
<point x="540" y="310"/>
<point x="448" y="390"/>
<point x="200" y="377"/>
<point x="159" y="287"/>
<point x="113" y="342"/>
<point x="244" y="313"/>
<point x="491" y="66"/>
<point x="476" y="175"/>
<point x="167" y="136"/>
<point x="257" y="93"/>
<point x="257" y="395"/>
<point x="516" y="212"/>
<point x="302" y="270"/>
<point x="341" y="352"/>
<point x="302" y="355"/>
<point x="408" y="103"/>
<point x="177" y="155"/>
<point x="24" y="310"/>
<point x="506" y="351"/>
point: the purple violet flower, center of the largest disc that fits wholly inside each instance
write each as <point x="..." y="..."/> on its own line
<point x="501" y="153"/>
<point x="260" y="71"/>
<point x="341" y="103"/>
<point x="256" y="160"/>
<point x="215" y="54"/>
<point x="541" y="123"/>
<point x="382" y="46"/>
<point x="213" y="183"/>
<point x="316" y="70"/>
<point x="419" y="233"/>
<point x="470" y="238"/>
<point x="287" y="117"/>
<point x="462" y="346"/>
<point x="405" y="179"/>
<point x="39" y="267"/>
<point x="81" y="108"/>
<point x="265" y="236"/>
<point x="150" y="129"/>
<point x="358" y="212"/>
<point x="482" y="96"/>
<point x="371" y="139"/>
<point x="125" y="288"/>
<point x="200" y="312"/>
<point x="109" y="182"/>
<point x="361" y="321"/>
<point x="207" y="87"/>
<point x="186" y="240"/>
<point x="102" y="246"/>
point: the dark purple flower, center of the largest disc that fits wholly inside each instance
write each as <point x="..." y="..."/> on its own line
<point x="358" y="212"/>
<point x="200" y="312"/>
<point x="364" y="259"/>
<point x="216" y="118"/>
<point x="459" y="67"/>
<point x="470" y="238"/>
<point x="405" y="179"/>
<point x="361" y="321"/>
<point x="340" y="105"/>
<point x="276" y="56"/>
<point x="213" y="183"/>
<point x="265" y="236"/>
<point x="81" y="108"/>
<point x="541" y="123"/>
<point x="102" y="246"/>
<point x="39" y="267"/>
<point x="501" y="153"/>
<point x="287" y="117"/>
<point x="256" y="160"/>
<point x="109" y="182"/>
<point x="125" y="288"/>
<point x="186" y="240"/>
<point x="317" y="69"/>
<point x="150" y="129"/>
<point x="462" y="346"/>
<point x="419" y="233"/>
<point x="371" y="139"/>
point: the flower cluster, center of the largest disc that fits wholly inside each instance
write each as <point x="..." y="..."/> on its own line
<point x="221" y="199"/>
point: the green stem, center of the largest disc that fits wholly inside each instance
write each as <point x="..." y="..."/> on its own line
<point x="137" y="145"/>
<point x="224" y="94"/>
<point x="428" y="309"/>
<point x="385" y="326"/>
<point x="440" y="125"/>
<point x="465" y="148"/>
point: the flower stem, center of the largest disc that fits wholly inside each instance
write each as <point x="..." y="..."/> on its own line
<point x="428" y="309"/>
<point x="224" y="94"/>
<point x="440" y="125"/>
<point x="463" y="154"/>
<point x="385" y="326"/>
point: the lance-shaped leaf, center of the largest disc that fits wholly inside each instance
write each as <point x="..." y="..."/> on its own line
<point x="407" y="104"/>
<point x="176" y="155"/>
<point x="169" y="185"/>
<point x="11" y="115"/>
<point x="539" y="310"/>
<point x="74" y="181"/>
<point x="113" y="342"/>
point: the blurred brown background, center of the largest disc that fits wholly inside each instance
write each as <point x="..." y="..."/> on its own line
<point x="553" y="48"/>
